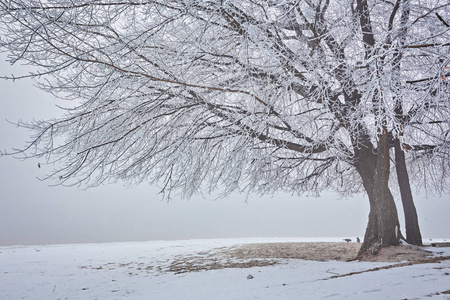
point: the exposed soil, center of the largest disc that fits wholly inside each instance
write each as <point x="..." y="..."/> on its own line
<point x="264" y="254"/>
<point x="319" y="251"/>
<point x="398" y="254"/>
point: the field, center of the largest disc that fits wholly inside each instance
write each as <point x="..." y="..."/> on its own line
<point x="271" y="268"/>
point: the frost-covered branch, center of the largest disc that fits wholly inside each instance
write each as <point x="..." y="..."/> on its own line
<point x="252" y="95"/>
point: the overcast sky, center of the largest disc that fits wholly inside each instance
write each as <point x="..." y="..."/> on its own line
<point x="32" y="212"/>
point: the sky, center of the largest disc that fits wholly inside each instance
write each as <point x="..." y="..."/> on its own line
<point x="34" y="212"/>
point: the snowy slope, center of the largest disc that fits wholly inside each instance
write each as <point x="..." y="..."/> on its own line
<point x="140" y="271"/>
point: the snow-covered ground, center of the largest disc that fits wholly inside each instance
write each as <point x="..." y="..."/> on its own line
<point x="141" y="270"/>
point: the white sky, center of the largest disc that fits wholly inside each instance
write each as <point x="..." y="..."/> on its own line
<point x="31" y="212"/>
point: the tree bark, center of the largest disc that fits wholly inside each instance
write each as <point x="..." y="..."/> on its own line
<point x="383" y="226"/>
<point x="413" y="235"/>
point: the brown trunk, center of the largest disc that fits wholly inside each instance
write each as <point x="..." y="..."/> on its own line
<point x="383" y="226"/>
<point x="413" y="235"/>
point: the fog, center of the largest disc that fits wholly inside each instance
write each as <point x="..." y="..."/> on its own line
<point x="33" y="212"/>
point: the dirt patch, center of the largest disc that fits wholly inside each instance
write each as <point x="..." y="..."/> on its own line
<point x="324" y="252"/>
<point x="398" y="254"/>
<point x="188" y="265"/>
<point x="306" y="251"/>
<point x="265" y="254"/>
<point x="262" y="254"/>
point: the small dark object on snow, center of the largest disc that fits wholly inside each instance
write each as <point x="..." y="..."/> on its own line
<point x="348" y="240"/>
<point x="439" y="245"/>
<point x="250" y="276"/>
<point x="358" y="240"/>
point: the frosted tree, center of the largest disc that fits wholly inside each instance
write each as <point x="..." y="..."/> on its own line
<point x="250" y="96"/>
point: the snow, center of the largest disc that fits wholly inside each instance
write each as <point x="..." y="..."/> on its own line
<point x="140" y="271"/>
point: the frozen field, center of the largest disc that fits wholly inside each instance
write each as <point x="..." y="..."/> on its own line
<point x="208" y="269"/>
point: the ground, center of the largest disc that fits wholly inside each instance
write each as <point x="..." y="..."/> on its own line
<point x="223" y="269"/>
<point x="266" y="254"/>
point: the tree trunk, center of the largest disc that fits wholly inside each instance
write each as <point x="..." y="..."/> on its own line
<point x="383" y="226"/>
<point x="413" y="235"/>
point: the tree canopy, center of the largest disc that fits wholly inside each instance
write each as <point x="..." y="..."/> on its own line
<point x="255" y="96"/>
